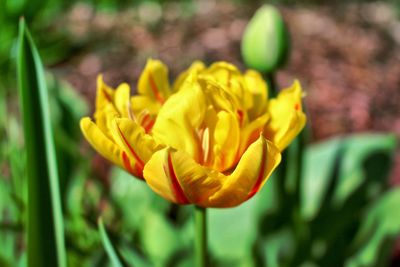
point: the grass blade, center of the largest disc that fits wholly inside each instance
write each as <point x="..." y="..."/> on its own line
<point x="45" y="231"/>
<point x="108" y="246"/>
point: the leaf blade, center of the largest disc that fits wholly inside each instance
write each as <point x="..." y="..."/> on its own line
<point x="108" y="246"/>
<point x="45" y="234"/>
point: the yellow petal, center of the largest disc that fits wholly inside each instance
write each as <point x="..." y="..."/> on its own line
<point x="217" y="94"/>
<point x="196" y="66"/>
<point x="179" y="118"/>
<point x="229" y="76"/>
<point x="135" y="142"/>
<point x="104" y="93"/>
<point x="106" y="147"/>
<point x="139" y="103"/>
<point x="104" y="117"/>
<point x="122" y="99"/>
<point x="226" y="141"/>
<point x="253" y="170"/>
<point x="251" y="131"/>
<point x="258" y="88"/>
<point x="287" y="117"/>
<point x="153" y="81"/>
<point x="177" y="177"/>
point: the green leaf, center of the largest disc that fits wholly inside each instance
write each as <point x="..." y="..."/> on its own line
<point x="377" y="233"/>
<point x="134" y="198"/>
<point x="108" y="246"/>
<point x="133" y="257"/>
<point x="277" y="247"/>
<point x="368" y="157"/>
<point x="233" y="231"/>
<point x="356" y="149"/>
<point x="159" y="238"/>
<point x="45" y="230"/>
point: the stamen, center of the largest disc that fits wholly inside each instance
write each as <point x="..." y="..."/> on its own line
<point x="205" y="144"/>
<point x="130" y="113"/>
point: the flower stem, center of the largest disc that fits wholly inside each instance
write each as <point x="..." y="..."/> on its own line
<point x="200" y="220"/>
<point x="272" y="87"/>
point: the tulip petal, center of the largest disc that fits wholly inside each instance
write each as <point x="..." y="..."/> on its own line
<point x="228" y="75"/>
<point x="174" y="175"/>
<point x="104" y="117"/>
<point x="104" y="93"/>
<point x="134" y="141"/>
<point x="226" y="141"/>
<point x="153" y="81"/>
<point x="121" y="99"/>
<point x="287" y="117"/>
<point x="251" y="131"/>
<point x="140" y="102"/>
<point x="251" y="173"/>
<point x="177" y="177"/>
<point x="179" y="118"/>
<point x="106" y="147"/>
<point x="259" y="91"/>
<point x="196" y="66"/>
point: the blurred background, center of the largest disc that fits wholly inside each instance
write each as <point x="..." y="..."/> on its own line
<point x="346" y="55"/>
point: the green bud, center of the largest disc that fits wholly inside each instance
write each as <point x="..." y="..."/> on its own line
<point x="265" y="42"/>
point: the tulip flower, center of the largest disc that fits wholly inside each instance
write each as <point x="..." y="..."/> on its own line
<point x="212" y="138"/>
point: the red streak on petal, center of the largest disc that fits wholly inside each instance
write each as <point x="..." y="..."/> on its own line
<point x="176" y="187"/>
<point x="134" y="171"/>
<point x="106" y="95"/>
<point x="138" y="160"/>
<point x="145" y="118"/>
<point x="297" y="106"/>
<point x="260" y="177"/>
<point x="155" y="90"/>
<point x="147" y="123"/>
<point x="241" y="116"/>
<point x="149" y="126"/>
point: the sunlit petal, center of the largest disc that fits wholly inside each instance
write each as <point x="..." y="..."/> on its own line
<point x="196" y="66"/>
<point x="226" y="141"/>
<point x="104" y="93"/>
<point x="259" y="91"/>
<point x="287" y="117"/>
<point x="106" y="147"/>
<point x="251" y="173"/>
<point x="134" y="141"/>
<point x="177" y="177"/>
<point x="179" y="117"/>
<point x="121" y="99"/>
<point x="154" y="81"/>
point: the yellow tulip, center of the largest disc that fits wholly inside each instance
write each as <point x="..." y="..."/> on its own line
<point x="211" y="139"/>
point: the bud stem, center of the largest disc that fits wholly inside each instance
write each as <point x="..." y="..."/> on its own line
<point x="272" y="90"/>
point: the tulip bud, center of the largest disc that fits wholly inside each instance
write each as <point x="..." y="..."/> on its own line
<point x="265" y="42"/>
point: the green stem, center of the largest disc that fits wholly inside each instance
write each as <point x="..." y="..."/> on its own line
<point x="200" y="220"/>
<point x="270" y="78"/>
